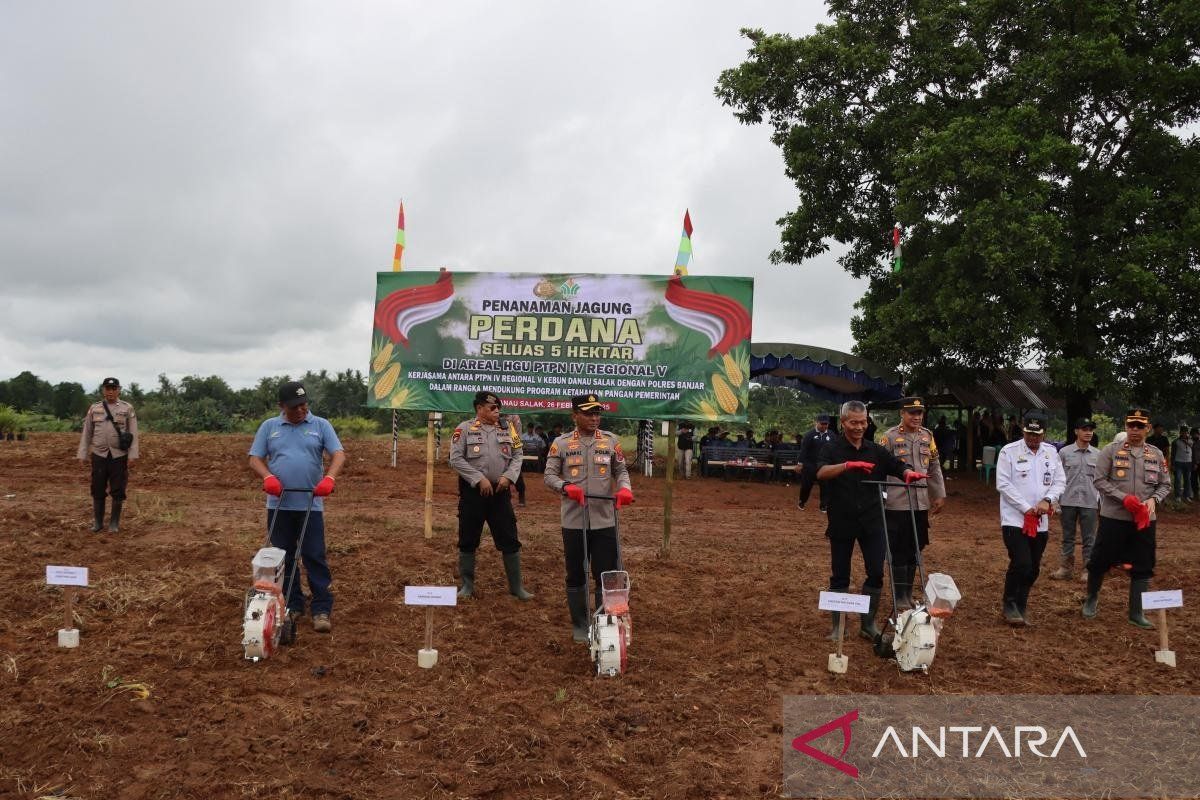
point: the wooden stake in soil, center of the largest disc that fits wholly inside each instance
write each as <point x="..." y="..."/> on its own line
<point x="1161" y="601"/>
<point x="429" y="596"/>
<point x="669" y="490"/>
<point x="429" y="477"/>
<point x="69" y="578"/>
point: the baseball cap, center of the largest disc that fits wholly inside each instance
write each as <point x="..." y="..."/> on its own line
<point x="486" y="398"/>
<point x="822" y="418"/>
<point x="111" y="383"/>
<point x="292" y="394"/>
<point x="1085" y="422"/>
<point x="586" y="402"/>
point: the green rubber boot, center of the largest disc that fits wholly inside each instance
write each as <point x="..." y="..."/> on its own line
<point x="833" y="631"/>
<point x="1135" y="603"/>
<point x="512" y="569"/>
<point x="466" y="569"/>
<point x="577" y="605"/>
<point x="1091" y="605"/>
<point x="866" y="622"/>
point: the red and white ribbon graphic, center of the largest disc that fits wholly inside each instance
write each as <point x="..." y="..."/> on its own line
<point x="397" y="313"/>
<point x="725" y="322"/>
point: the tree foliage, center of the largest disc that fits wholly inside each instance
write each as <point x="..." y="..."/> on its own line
<point x="1038" y="158"/>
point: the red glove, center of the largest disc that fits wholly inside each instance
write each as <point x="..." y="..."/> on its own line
<point x="1141" y="518"/>
<point x="1030" y="526"/>
<point x="913" y="475"/>
<point x="575" y="492"/>
<point x="624" y="498"/>
<point x="1132" y="504"/>
<point x="325" y="487"/>
<point x="272" y="486"/>
<point x="861" y="466"/>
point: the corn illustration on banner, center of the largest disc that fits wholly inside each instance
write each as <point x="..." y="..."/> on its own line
<point x="650" y="347"/>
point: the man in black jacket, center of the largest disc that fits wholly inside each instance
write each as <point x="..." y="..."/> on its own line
<point x="844" y="465"/>
<point x="810" y="451"/>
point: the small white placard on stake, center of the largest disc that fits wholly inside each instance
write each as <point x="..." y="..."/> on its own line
<point x="430" y="595"/>
<point x="840" y="601"/>
<point x="67" y="576"/>
<point x="1172" y="598"/>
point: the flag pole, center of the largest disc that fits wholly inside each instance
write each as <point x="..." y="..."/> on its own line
<point x="681" y="265"/>
<point x="397" y="266"/>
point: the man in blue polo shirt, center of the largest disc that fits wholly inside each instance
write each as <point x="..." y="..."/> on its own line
<point x="288" y="453"/>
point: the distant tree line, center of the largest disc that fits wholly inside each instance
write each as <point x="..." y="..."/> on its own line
<point x="198" y="404"/>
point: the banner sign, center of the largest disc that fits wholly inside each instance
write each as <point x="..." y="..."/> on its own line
<point x="648" y="347"/>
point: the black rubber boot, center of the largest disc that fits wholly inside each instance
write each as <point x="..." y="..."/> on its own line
<point x="466" y="570"/>
<point x="1012" y="614"/>
<point x="1135" y="603"/>
<point x="512" y="569"/>
<point x="903" y="576"/>
<point x="866" y="622"/>
<point x="114" y="521"/>
<point x="911" y="578"/>
<point x="833" y="632"/>
<point x="577" y="605"/>
<point x="1023" y="605"/>
<point x="97" y="514"/>
<point x="1091" y="606"/>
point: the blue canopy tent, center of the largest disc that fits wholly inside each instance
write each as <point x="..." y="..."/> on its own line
<point x="822" y="373"/>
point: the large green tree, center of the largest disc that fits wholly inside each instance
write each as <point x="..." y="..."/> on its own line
<point x="1039" y="158"/>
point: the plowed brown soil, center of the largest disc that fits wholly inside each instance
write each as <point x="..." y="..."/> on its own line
<point x="724" y="628"/>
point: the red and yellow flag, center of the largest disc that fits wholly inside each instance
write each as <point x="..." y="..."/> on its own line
<point x="398" y="258"/>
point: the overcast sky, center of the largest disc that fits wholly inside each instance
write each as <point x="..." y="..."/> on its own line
<point x="210" y="188"/>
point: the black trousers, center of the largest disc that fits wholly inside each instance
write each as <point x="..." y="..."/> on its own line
<point x="601" y="548"/>
<point x="841" y="549"/>
<point x="900" y="536"/>
<point x="1119" y="541"/>
<point x="808" y="477"/>
<point x="111" y="474"/>
<point x="474" y="509"/>
<point x="1024" y="563"/>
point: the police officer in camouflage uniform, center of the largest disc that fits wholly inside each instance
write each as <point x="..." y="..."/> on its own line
<point x="487" y="457"/>
<point x="913" y="444"/>
<point x="587" y="461"/>
<point x="99" y="444"/>
<point x="1132" y="478"/>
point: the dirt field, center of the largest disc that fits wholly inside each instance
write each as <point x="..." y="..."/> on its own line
<point x="723" y="629"/>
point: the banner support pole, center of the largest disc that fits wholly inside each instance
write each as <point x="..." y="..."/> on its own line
<point x="429" y="477"/>
<point x="669" y="490"/>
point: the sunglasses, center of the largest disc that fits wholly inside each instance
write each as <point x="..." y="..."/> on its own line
<point x="1135" y="425"/>
<point x="592" y="413"/>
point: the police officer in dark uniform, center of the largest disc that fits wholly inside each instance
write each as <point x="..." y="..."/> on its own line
<point x="487" y="457"/>
<point x="587" y="461"/>
<point x="912" y="443"/>
<point x="1132" y="478"/>
<point x="100" y="444"/>
<point x="810" y="449"/>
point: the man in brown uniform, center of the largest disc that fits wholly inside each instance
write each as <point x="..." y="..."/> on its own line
<point x="104" y="427"/>
<point x="1132" y="478"/>
<point x="913" y="444"/>
<point x="487" y="457"/>
<point x="587" y="461"/>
